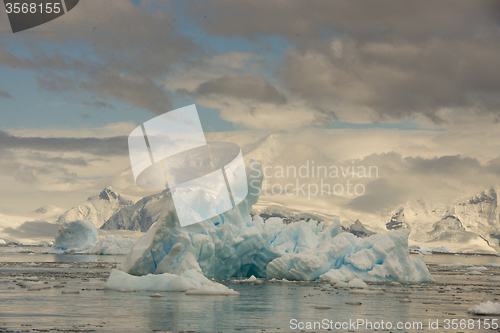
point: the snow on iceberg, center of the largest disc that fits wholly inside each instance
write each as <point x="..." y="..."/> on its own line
<point x="488" y="308"/>
<point x="235" y="245"/>
<point x="81" y="234"/>
<point x="112" y="245"/>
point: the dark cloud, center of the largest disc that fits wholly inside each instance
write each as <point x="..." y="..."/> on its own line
<point x="140" y="92"/>
<point x="4" y="94"/>
<point x="306" y="21"/>
<point x="394" y="58"/>
<point x="112" y="146"/>
<point x="242" y="86"/>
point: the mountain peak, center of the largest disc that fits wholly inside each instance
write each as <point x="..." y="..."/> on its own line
<point x="108" y="193"/>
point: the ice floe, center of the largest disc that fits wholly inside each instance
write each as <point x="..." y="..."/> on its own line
<point x="488" y="308"/>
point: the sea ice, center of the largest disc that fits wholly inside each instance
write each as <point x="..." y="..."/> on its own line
<point x="357" y="283"/>
<point x="488" y="308"/>
<point x="424" y="249"/>
<point x="188" y="280"/>
<point x="81" y="234"/>
<point x="235" y="245"/>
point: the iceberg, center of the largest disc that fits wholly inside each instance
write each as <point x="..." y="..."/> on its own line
<point x="2" y="242"/>
<point x="488" y="308"/>
<point x="81" y="234"/>
<point x="236" y="245"/>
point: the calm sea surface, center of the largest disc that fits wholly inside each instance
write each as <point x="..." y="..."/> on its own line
<point x="41" y="292"/>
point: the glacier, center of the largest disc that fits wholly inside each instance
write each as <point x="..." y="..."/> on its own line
<point x="237" y="245"/>
<point x="112" y="245"/>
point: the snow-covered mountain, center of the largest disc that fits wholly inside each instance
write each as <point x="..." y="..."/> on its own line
<point x="472" y="224"/>
<point x="142" y="215"/>
<point x="48" y="213"/>
<point x="480" y="215"/>
<point x="98" y="208"/>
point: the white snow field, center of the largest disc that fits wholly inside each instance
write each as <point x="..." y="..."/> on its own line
<point x="233" y="245"/>
<point x="488" y="308"/>
<point x="81" y="234"/>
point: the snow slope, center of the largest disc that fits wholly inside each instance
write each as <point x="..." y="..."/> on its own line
<point x="98" y="208"/>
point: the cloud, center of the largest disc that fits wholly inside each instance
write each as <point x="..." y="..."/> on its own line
<point x="449" y="165"/>
<point x="96" y="146"/>
<point x="242" y="86"/>
<point x="4" y="94"/>
<point x="366" y="61"/>
<point x="126" y="50"/>
<point x="380" y="195"/>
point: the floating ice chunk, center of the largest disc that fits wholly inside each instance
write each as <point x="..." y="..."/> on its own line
<point x="251" y="279"/>
<point x="357" y="283"/>
<point x="216" y="289"/>
<point x="112" y="245"/>
<point x="474" y="273"/>
<point x="488" y="308"/>
<point x="366" y="292"/>
<point x="480" y="268"/>
<point x="18" y="250"/>
<point x="341" y="284"/>
<point x="492" y="264"/>
<point x="80" y="234"/>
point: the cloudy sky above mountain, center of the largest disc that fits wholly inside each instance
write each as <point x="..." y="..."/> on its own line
<point x="409" y="86"/>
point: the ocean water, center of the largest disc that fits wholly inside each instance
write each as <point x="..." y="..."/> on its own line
<point x="41" y="292"/>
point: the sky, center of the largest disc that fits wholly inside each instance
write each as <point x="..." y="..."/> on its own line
<point x="409" y="86"/>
